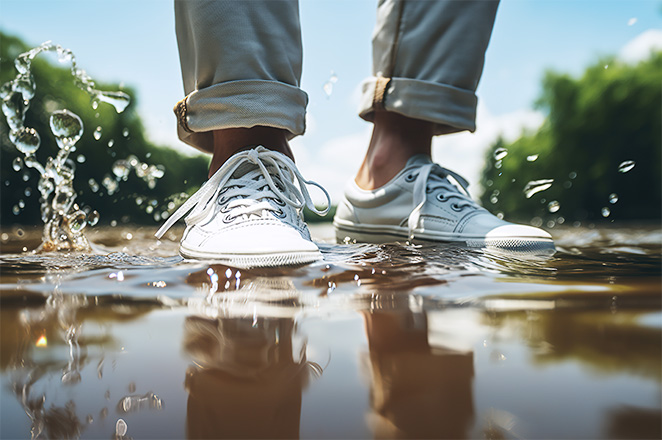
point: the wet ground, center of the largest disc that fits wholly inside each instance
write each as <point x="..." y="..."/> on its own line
<point x="374" y="341"/>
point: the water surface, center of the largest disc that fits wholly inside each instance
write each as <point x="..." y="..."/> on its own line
<point x="393" y="340"/>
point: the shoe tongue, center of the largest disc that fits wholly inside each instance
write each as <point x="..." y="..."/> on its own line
<point x="418" y="160"/>
<point x="243" y="169"/>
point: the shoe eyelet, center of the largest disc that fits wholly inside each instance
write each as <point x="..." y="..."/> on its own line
<point x="410" y="178"/>
<point x="280" y="214"/>
<point x="221" y="200"/>
<point x="441" y="197"/>
<point x="279" y="202"/>
<point x="428" y="190"/>
<point x="228" y="219"/>
<point x="456" y="207"/>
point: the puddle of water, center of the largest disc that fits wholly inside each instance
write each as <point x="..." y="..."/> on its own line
<point x="129" y="340"/>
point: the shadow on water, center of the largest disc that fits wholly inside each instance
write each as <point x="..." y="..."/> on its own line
<point x="425" y="341"/>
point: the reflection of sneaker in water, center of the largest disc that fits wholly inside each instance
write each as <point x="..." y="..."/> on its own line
<point x="421" y="202"/>
<point x="249" y="214"/>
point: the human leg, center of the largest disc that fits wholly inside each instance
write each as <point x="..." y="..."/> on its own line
<point x="241" y="65"/>
<point x="427" y="60"/>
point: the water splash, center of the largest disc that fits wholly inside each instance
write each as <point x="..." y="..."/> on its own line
<point x="63" y="219"/>
<point x="536" y="186"/>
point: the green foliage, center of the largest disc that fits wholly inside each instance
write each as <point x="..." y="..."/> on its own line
<point x="56" y="90"/>
<point x="594" y="123"/>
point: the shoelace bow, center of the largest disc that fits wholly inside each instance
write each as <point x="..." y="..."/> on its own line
<point x="265" y="159"/>
<point x="435" y="176"/>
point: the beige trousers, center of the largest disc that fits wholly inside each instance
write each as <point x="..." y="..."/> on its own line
<point x="241" y="64"/>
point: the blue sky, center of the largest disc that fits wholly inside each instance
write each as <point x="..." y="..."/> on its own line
<point x="133" y="41"/>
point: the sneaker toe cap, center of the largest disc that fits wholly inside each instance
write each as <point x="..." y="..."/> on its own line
<point x="518" y="231"/>
<point x="265" y="239"/>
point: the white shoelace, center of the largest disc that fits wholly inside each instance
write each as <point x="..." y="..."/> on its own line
<point x="293" y="195"/>
<point x="435" y="177"/>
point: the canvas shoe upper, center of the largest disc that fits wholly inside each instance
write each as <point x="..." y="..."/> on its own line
<point x="422" y="203"/>
<point x="249" y="213"/>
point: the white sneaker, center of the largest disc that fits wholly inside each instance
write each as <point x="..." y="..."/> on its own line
<point x="421" y="203"/>
<point x="249" y="214"/>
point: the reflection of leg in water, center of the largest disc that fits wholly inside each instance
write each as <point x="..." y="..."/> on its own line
<point x="417" y="390"/>
<point x="246" y="383"/>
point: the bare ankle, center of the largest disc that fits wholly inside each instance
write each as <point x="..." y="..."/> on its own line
<point x="395" y="139"/>
<point x="229" y="141"/>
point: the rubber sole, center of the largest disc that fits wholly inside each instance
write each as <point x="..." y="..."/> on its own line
<point x="389" y="234"/>
<point x="247" y="261"/>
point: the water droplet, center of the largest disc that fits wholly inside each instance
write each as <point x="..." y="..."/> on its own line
<point x="553" y="206"/>
<point x="16" y="210"/>
<point x="110" y="184"/>
<point x="328" y="85"/>
<point x="64" y="55"/>
<point x="93" y="218"/>
<point x="139" y="200"/>
<point x="77" y="221"/>
<point x="572" y="175"/>
<point x="25" y="176"/>
<point x="27" y="192"/>
<point x="21" y="204"/>
<point x="26" y="140"/>
<point x="536" y="186"/>
<point x="121" y="168"/>
<point x="119" y="100"/>
<point x="125" y="132"/>
<point x="494" y="200"/>
<point x="97" y="133"/>
<point x="24" y="84"/>
<point x="149" y="209"/>
<point x="532" y="158"/>
<point x="606" y="212"/>
<point x="94" y="186"/>
<point x="67" y="128"/>
<point x="111" y="143"/>
<point x="536" y="221"/>
<point x="626" y="166"/>
<point x="632" y="21"/>
<point x="499" y="215"/>
<point x="613" y="198"/>
<point x="17" y="164"/>
<point x="606" y="66"/>
<point x="500" y="153"/>
<point x="120" y="428"/>
<point x="498" y="165"/>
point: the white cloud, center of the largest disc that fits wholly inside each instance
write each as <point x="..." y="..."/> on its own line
<point x="641" y="46"/>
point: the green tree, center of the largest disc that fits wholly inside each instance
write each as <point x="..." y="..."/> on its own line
<point x="610" y="115"/>
<point x="122" y="135"/>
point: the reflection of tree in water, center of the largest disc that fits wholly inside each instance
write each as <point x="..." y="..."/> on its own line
<point x="610" y="343"/>
<point x="44" y="341"/>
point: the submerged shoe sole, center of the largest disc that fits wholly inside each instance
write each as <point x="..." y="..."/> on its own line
<point x="245" y="261"/>
<point x="387" y="234"/>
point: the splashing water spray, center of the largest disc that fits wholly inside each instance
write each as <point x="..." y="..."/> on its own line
<point x="63" y="220"/>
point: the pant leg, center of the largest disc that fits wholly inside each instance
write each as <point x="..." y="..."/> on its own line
<point x="241" y="66"/>
<point x="427" y="59"/>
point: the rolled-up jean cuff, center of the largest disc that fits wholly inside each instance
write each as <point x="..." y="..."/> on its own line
<point x="240" y="104"/>
<point x="451" y="109"/>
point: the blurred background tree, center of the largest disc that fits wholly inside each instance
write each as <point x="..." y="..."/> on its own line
<point x="596" y="127"/>
<point x="121" y="136"/>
